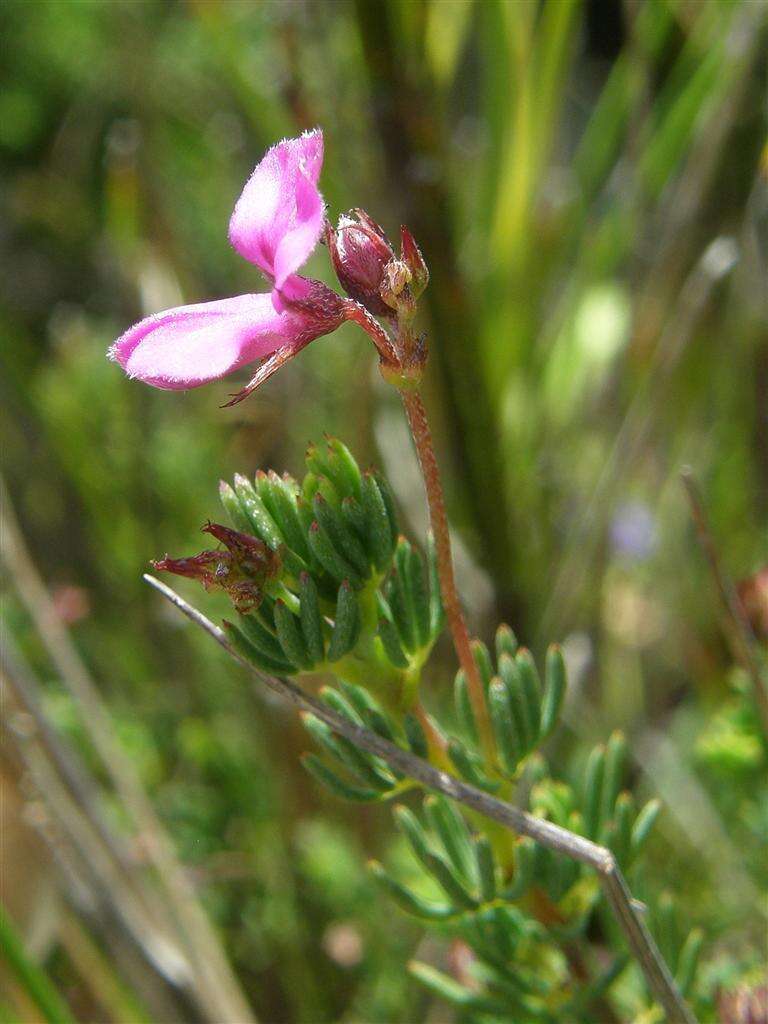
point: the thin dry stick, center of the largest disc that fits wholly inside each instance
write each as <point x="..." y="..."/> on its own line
<point x="740" y="632"/>
<point x="108" y="863"/>
<point x="214" y="983"/>
<point x="656" y="972"/>
<point x="65" y="827"/>
<point x="422" y="437"/>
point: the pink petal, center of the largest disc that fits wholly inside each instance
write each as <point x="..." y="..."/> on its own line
<point x="278" y="219"/>
<point x="191" y="345"/>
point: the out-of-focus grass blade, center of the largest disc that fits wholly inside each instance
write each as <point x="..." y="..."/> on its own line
<point x="445" y="35"/>
<point x="31" y="979"/>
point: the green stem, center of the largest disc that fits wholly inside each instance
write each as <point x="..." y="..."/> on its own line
<point x="30" y="977"/>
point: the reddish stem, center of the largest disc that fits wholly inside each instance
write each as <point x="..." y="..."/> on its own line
<point x="422" y="436"/>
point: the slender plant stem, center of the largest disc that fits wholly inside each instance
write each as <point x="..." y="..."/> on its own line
<point x="32" y="979"/>
<point x="625" y="909"/>
<point x="740" y="632"/>
<point x="425" y="449"/>
<point x="436" y="742"/>
<point x="75" y="822"/>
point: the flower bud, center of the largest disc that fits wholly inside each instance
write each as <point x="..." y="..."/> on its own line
<point x="410" y="255"/>
<point x="396" y="289"/>
<point x="360" y="253"/>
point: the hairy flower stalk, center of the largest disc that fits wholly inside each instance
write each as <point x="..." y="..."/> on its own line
<point x="422" y="437"/>
<point x="401" y="284"/>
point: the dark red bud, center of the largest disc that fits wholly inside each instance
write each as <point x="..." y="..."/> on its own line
<point x="360" y="253"/>
<point x="410" y="254"/>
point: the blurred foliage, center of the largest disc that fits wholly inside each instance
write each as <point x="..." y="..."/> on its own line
<point x="587" y="185"/>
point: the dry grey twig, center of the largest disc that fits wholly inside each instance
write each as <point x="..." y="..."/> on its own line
<point x="645" y="950"/>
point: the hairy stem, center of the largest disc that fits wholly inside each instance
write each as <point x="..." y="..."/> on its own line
<point x="422" y="437"/>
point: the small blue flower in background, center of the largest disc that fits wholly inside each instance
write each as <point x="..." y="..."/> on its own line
<point x="633" y="531"/>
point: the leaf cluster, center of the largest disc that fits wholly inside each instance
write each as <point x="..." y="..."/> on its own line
<point x="354" y="597"/>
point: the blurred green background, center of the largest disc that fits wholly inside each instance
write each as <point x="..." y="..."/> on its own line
<point x="589" y="185"/>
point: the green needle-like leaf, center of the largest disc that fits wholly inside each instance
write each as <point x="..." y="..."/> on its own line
<point x="464" y="711"/>
<point x="688" y="960"/>
<point x="263" y="640"/>
<point x="346" y="627"/>
<point x="449" y="826"/>
<point x="486" y="868"/>
<point x="409" y="901"/>
<point x="378" y="530"/>
<point x="290" y="635"/>
<point x="233" y="508"/>
<point x="389" y="505"/>
<point x="250" y="652"/>
<point x="261" y="521"/>
<point x="311" y="618"/>
<point x="329" y="558"/>
<point x="510" y="675"/>
<point x="455" y="993"/>
<point x="417" y="594"/>
<point x="554" y="690"/>
<point x="343" y="539"/>
<point x="643" y="825"/>
<point x="285" y="514"/>
<point x="506" y="641"/>
<point x="623" y="819"/>
<point x="338" y="786"/>
<point x="504" y="727"/>
<point x="397" y="597"/>
<point x="483" y="661"/>
<point x="344" y="468"/>
<point x="353" y="515"/>
<point x="415" y="735"/>
<point x="531" y="686"/>
<point x="390" y="639"/>
<point x="470" y="766"/>
<point x="340" y="704"/>
<point x="410" y="826"/>
<point x="525" y="863"/>
<point x="593" y="790"/>
<point x="615" y="758"/>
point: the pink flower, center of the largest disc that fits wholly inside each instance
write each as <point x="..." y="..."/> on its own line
<point x="276" y="224"/>
<point x="278" y="219"/>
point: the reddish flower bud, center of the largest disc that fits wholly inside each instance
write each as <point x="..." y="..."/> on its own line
<point x="360" y="253"/>
<point x="396" y="290"/>
<point x="410" y="254"/>
<point x="242" y="570"/>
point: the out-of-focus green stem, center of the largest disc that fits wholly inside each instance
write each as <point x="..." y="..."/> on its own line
<point x="30" y="977"/>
